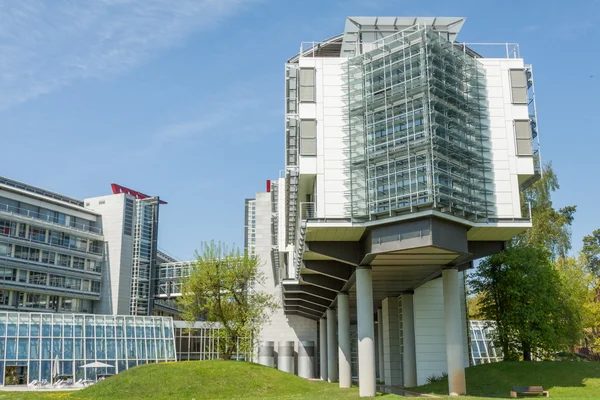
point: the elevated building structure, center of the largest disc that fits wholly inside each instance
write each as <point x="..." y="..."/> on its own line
<point x="406" y="154"/>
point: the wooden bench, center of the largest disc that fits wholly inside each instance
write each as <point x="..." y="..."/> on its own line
<point x="528" y="390"/>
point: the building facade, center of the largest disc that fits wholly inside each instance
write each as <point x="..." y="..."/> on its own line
<point x="406" y="154"/>
<point x="94" y="261"/>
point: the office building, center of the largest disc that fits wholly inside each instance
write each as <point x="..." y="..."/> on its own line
<point x="77" y="282"/>
<point x="406" y="152"/>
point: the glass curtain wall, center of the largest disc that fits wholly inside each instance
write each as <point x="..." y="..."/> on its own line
<point x="418" y="132"/>
<point x="34" y="341"/>
<point x="144" y="256"/>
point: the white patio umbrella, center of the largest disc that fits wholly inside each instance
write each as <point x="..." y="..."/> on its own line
<point x="97" y="364"/>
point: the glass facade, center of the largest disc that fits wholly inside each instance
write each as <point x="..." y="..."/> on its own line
<point x="418" y="134"/>
<point x="144" y="255"/>
<point x="31" y="342"/>
<point x="201" y="342"/>
<point x="483" y="350"/>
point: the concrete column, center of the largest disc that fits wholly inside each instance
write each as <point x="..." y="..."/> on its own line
<point x="306" y="359"/>
<point x="457" y="384"/>
<point x="332" y="346"/>
<point x="408" y="338"/>
<point x="343" y="302"/>
<point x="323" y="348"/>
<point x="380" y="342"/>
<point x="285" y="356"/>
<point x="266" y="354"/>
<point x="392" y="358"/>
<point x="366" y="345"/>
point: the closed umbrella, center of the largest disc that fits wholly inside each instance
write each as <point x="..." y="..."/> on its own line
<point x="55" y="368"/>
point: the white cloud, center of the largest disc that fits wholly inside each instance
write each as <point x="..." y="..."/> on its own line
<point x="45" y="45"/>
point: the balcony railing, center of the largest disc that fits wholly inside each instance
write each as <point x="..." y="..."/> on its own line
<point x="47" y="219"/>
<point x="308" y="210"/>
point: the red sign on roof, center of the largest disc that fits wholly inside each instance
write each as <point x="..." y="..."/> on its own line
<point x="138" y="195"/>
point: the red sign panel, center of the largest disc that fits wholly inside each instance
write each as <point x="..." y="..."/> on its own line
<point x="138" y="195"/>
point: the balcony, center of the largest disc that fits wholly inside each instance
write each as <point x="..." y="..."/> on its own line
<point x="31" y="215"/>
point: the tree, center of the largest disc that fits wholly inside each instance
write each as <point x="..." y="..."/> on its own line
<point x="576" y="296"/>
<point x="551" y="228"/>
<point x="220" y="289"/>
<point x="521" y="291"/>
<point x="591" y="254"/>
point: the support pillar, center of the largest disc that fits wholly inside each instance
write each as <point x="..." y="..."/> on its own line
<point x="343" y="302"/>
<point x="408" y="338"/>
<point x="306" y="359"/>
<point x="285" y="356"/>
<point x="457" y="384"/>
<point x="323" y="348"/>
<point x="380" y="342"/>
<point x="366" y="345"/>
<point x="332" y="346"/>
<point x="392" y="358"/>
<point x="266" y="354"/>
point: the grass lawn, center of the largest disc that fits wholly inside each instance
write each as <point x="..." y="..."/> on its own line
<point x="239" y="380"/>
<point x="564" y="380"/>
<point x="200" y="381"/>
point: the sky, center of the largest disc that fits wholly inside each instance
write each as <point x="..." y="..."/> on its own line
<point x="184" y="99"/>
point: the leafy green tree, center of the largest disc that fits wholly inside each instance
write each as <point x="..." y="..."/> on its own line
<point x="220" y="289"/>
<point x="522" y="292"/>
<point x="551" y="228"/>
<point x="576" y="294"/>
<point x="591" y="254"/>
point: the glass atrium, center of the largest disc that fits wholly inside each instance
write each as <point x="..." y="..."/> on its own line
<point x="29" y="344"/>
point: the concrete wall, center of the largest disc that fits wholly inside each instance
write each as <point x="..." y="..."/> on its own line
<point x="281" y="327"/>
<point x="506" y="164"/>
<point x="116" y="273"/>
<point x="430" y="338"/>
<point x="328" y="110"/>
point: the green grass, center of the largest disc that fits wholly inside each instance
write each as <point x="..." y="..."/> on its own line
<point x="564" y="380"/>
<point x="239" y="380"/>
<point x="200" y="381"/>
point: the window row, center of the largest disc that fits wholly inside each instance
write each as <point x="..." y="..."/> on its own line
<point x="44" y="214"/>
<point x="35" y="349"/>
<point x="21" y="300"/>
<point x="90" y="329"/>
<point x="49" y="257"/>
<point x="54" y="238"/>
<point x="43" y="279"/>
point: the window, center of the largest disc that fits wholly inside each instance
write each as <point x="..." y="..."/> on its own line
<point x="308" y="137"/>
<point x="7" y="228"/>
<point x="78" y="263"/>
<point x="37" y="278"/>
<point x="128" y="218"/>
<point x="37" y="234"/>
<point x="48" y="257"/>
<point x="5" y="249"/>
<point x="518" y="85"/>
<point x="523" y="135"/>
<point x="64" y="260"/>
<point x="307" y="84"/>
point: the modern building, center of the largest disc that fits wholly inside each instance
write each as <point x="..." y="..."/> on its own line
<point x="65" y="261"/>
<point x="406" y="152"/>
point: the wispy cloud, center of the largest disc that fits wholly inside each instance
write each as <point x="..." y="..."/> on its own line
<point x="45" y="45"/>
<point x="236" y="114"/>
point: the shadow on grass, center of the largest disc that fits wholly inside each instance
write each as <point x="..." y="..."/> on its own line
<point x="562" y="379"/>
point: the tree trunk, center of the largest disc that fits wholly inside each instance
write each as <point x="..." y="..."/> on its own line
<point x="526" y="352"/>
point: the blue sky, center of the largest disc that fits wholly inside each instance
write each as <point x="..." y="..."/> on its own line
<point x="185" y="99"/>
